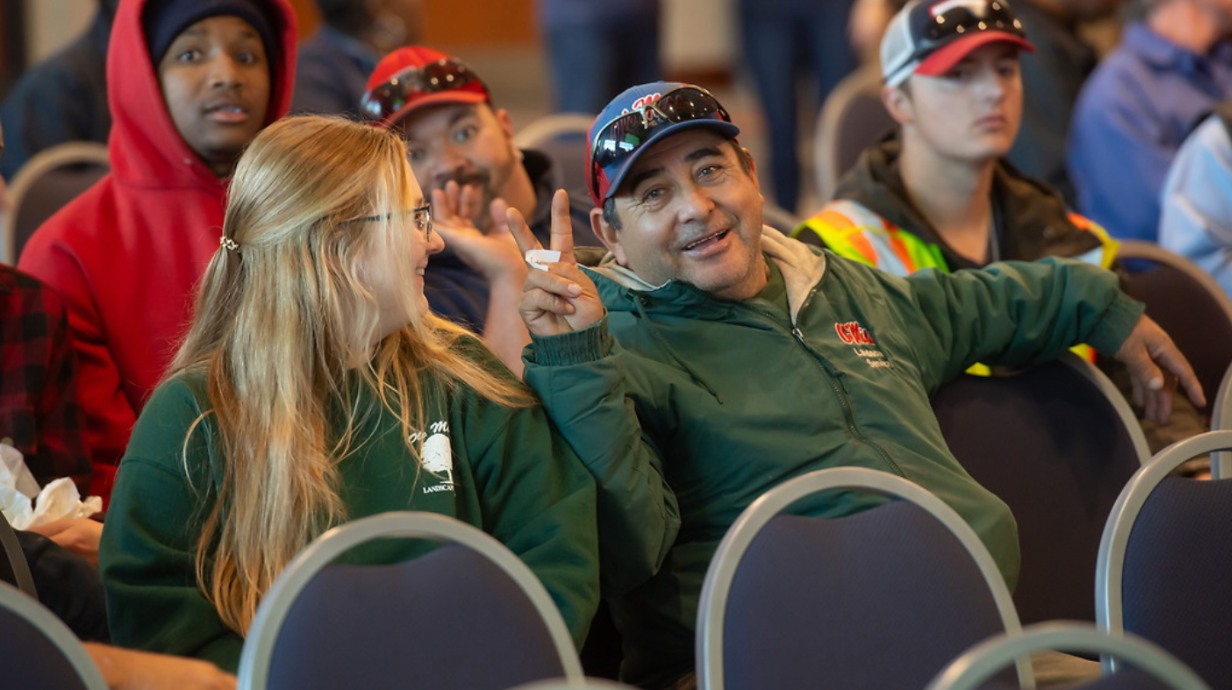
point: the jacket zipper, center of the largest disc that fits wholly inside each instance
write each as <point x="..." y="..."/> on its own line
<point x="844" y="402"/>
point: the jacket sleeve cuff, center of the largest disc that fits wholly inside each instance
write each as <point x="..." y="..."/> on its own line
<point x="1116" y="324"/>
<point x="577" y="347"/>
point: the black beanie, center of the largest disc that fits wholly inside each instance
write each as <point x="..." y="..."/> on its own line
<point x="163" y="20"/>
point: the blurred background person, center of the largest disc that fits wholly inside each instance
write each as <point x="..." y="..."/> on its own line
<point x="1196" y="216"/>
<point x="331" y="74"/>
<point x="1052" y="78"/>
<point x="62" y="99"/>
<point x="790" y="45"/>
<point x="599" y="47"/>
<point x="1173" y="65"/>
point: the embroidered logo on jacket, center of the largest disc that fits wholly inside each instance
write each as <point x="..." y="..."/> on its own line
<point x="436" y="455"/>
<point x="852" y="333"/>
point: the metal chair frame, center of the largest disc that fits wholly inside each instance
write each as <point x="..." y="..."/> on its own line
<point x="274" y="608"/>
<point x="56" y="632"/>
<point x="730" y="553"/>
<point x="971" y="670"/>
<point x="62" y="155"/>
<point x="1109" y="571"/>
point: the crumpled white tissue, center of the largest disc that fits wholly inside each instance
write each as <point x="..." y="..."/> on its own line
<point x="25" y="506"/>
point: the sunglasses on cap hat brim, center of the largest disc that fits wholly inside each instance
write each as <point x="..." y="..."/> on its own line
<point x="443" y="81"/>
<point x="617" y="142"/>
<point x="950" y="30"/>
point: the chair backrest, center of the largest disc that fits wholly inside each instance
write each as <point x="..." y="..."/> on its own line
<point x="466" y="616"/>
<point x="1056" y="443"/>
<point x="1221" y="420"/>
<point x="14" y="569"/>
<point x="880" y="599"/>
<point x="1151" y="667"/>
<point x="1165" y="555"/>
<point x="50" y="179"/>
<point x="852" y="119"/>
<point x="780" y="218"/>
<point x="1187" y="303"/>
<point x="581" y="684"/>
<point x="561" y="137"/>
<point x="38" y="651"/>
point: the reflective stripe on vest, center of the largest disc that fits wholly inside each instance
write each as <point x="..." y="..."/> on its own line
<point x="852" y="231"/>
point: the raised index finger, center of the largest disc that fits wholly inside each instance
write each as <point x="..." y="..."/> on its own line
<point x="562" y="227"/>
<point x="525" y="239"/>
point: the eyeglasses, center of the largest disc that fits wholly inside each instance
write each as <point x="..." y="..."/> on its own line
<point x="384" y="101"/>
<point x="422" y="217"/>
<point x="628" y="131"/>
<point x="971" y="15"/>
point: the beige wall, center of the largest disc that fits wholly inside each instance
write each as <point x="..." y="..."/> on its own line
<point x="698" y="34"/>
<point x="52" y="23"/>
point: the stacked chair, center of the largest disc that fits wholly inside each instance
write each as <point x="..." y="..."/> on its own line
<point x="1152" y="667"/>
<point x="44" y="185"/>
<point x="882" y="599"/>
<point x="1187" y="303"/>
<point x="1165" y="556"/>
<point x="1057" y="443"/>
<point x="466" y="616"/>
<point x="39" y="651"/>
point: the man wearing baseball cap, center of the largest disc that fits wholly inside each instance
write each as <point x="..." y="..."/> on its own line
<point x="456" y="135"/>
<point x="938" y="192"/>
<point x="709" y="358"/>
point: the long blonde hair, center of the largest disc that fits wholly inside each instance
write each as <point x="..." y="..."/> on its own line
<point x="282" y="318"/>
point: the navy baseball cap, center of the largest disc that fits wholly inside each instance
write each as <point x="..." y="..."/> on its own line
<point x="640" y="116"/>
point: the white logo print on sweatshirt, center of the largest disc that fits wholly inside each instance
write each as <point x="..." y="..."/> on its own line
<point x="436" y="455"/>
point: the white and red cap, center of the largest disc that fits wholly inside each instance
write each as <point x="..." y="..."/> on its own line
<point x="929" y="37"/>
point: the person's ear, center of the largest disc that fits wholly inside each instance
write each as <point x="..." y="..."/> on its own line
<point x="753" y="169"/>
<point x="505" y="121"/>
<point x="898" y="104"/>
<point x="608" y="235"/>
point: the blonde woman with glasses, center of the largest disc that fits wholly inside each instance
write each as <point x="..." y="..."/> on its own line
<point x="314" y="387"/>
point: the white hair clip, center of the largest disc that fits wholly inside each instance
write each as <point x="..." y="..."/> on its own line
<point x="229" y="243"/>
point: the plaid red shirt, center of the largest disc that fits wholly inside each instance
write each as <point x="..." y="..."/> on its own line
<point x="38" y="394"/>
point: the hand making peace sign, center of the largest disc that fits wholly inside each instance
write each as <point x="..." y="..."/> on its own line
<point x="561" y="298"/>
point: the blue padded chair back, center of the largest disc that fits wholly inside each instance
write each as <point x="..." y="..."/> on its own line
<point x="1202" y="328"/>
<point x="457" y="622"/>
<point x="44" y="185"/>
<point x="893" y="572"/>
<point x="30" y="660"/>
<point x="561" y="137"/>
<point x="38" y="651"/>
<point x="789" y="601"/>
<point x="1178" y="556"/>
<point x="852" y="119"/>
<point x="369" y="626"/>
<point x="1054" y="446"/>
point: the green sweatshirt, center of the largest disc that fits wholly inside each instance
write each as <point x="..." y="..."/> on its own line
<point x="697" y="406"/>
<point x="499" y="469"/>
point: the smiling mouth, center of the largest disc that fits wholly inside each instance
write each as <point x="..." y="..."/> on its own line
<point x="715" y="237"/>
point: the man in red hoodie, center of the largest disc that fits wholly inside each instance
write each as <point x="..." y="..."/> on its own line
<point x="190" y="82"/>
